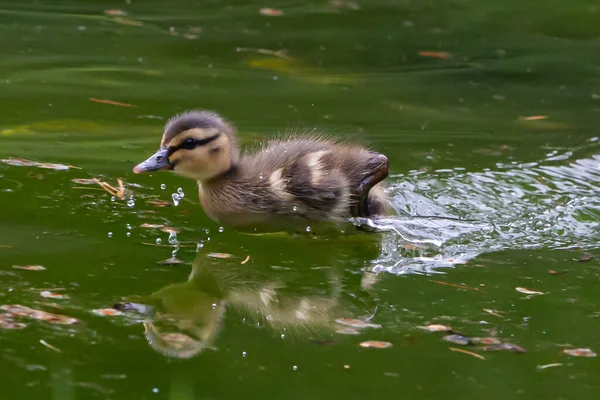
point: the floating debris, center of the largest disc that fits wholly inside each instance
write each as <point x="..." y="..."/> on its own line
<point x="270" y="12"/>
<point x="467" y="352"/>
<point x="344" y="4"/>
<point x="436" y="328"/>
<point x="219" y="255"/>
<point x="458" y="339"/>
<point x="504" y="347"/>
<point x="30" y="267"/>
<point x="276" y="53"/>
<point x="50" y="295"/>
<point x="20" y="162"/>
<point x="580" y="352"/>
<point x="113" y="103"/>
<point x="245" y="260"/>
<point x="585" y="257"/>
<point x="553" y="272"/>
<point x="107" y="312"/>
<point x="84" y="181"/>
<point x="457" y="286"/>
<point x="540" y="367"/>
<point x="120" y="192"/>
<point x="48" y="345"/>
<point x="152" y="226"/>
<point x="6" y="322"/>
<point x="434" y="54"/>
<point x="159" y="203"/>
<point x="170" y="261"/>
<point x="346" y="330"/>
<point x="492" y="312"/>
<point x="168" y="229"/>
<point x="486" y="340"/>
<point x="23" y="311"/>
<point x="130" y="22"/>
<point x="376" y="344"/>
<point x="115" y="13"/>
<point x="356" y="323"/>
<point x="534" y="118"/>
<point x="527" y="291"/>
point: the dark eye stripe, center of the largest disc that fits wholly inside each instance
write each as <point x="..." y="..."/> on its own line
<point x="197" y="142"/>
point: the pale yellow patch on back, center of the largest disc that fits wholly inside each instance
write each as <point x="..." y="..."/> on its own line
<point x="279" y="184"/>
<point x="313" y="161"/>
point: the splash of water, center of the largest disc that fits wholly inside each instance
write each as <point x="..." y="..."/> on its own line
<point x="451" y="216"/>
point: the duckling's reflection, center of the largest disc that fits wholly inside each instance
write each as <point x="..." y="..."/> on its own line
<point x="182" y="319"/>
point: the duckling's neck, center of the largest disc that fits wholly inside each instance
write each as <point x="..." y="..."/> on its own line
<point x="223" y="177"/>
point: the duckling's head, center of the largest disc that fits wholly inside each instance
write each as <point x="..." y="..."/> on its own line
<point x="199" y="145"/>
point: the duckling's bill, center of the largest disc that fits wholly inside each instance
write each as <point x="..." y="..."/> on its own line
<point x="158" y="161"/>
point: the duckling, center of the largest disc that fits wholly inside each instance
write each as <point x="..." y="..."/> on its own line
<point x="292" y="180"/>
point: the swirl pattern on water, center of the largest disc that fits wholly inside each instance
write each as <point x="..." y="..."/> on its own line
<point x="450" y="216"/>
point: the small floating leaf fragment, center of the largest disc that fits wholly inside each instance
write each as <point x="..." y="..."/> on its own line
<point x="436" y="328"/>
<point x="580" y="352"/>
<point x="115" y="13"/>
<point x="486" y="340"/>
<point x="83" y="181"/>
<point x="458" y="339"/>
<point x="527" y="291"/>
<point x="159" y="203"/>
<point x="434" y="54"/>
<point x="127" y="21"/>
<point x="6" y="322"/>
<point x="29" y="267"/>
<point x="245" y="260"/>
<point x="270" y="12"/>
<point x="48" y="345"/>
<point x="492" y="312"/>
<point x="346" y="330"/>
<point x="151" y="226"/>
<point x="219" y="255"/>
<point x="376" y="344"/>
<point x="584" y="257"/>
<point x="23" y="311"/>
<point x="107" y="312"/>
<point x="168" y="229"/>
<point x="553" y="272"/>
<point x="504" y="347"/>
<point x="48" y="294"/>
<point x="170" y="261"/>
<point x="20" y="162"/>
<point x="467" y="352"/>
<point x="540" y="367"/>
<point x="533" y="118"/>
<point x="111" y="102"/>
<point x="356" y="323"/>
<point x="456" y="286"/>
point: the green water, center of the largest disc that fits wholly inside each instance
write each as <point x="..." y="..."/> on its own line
<point x="513" y="198"/>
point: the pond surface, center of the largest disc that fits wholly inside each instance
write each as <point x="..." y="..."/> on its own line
<point x="488" y="112"/>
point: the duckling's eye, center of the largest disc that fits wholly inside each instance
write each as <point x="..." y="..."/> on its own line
<point x="188" y="144"/>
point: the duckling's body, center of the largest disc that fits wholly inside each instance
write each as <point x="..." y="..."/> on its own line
<point x="289" y="182"/>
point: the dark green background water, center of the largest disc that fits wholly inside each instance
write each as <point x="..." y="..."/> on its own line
<point x="458" y="147"/>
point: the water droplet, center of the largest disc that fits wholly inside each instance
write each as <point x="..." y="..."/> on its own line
<point x="130" y="203"/>
<point x="269" y="318"/>
<point x="308" y="229"/>
<point x="163" y="186"/>
<point x="180" y="192"/>
<point x="282" y="336"/>
<point x="221" y="229"/>
<point x="295" y="208"/>
<point x="214" y="305"/>
<point x="128" y="227"/>
<point x="109" y="234"/>
<point x="176" y="199"/>
<point x="261" y="177"/>
<point x="295" y="367"/>
<point x="199" y="246"/>
<point x="113" y="198"/>
<point x="155" y="390"/>
<point x="244" y="354"/>
<point x="158" y="241"/>
<point x="173" y="238"/>
<point x="128" y="234"/>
